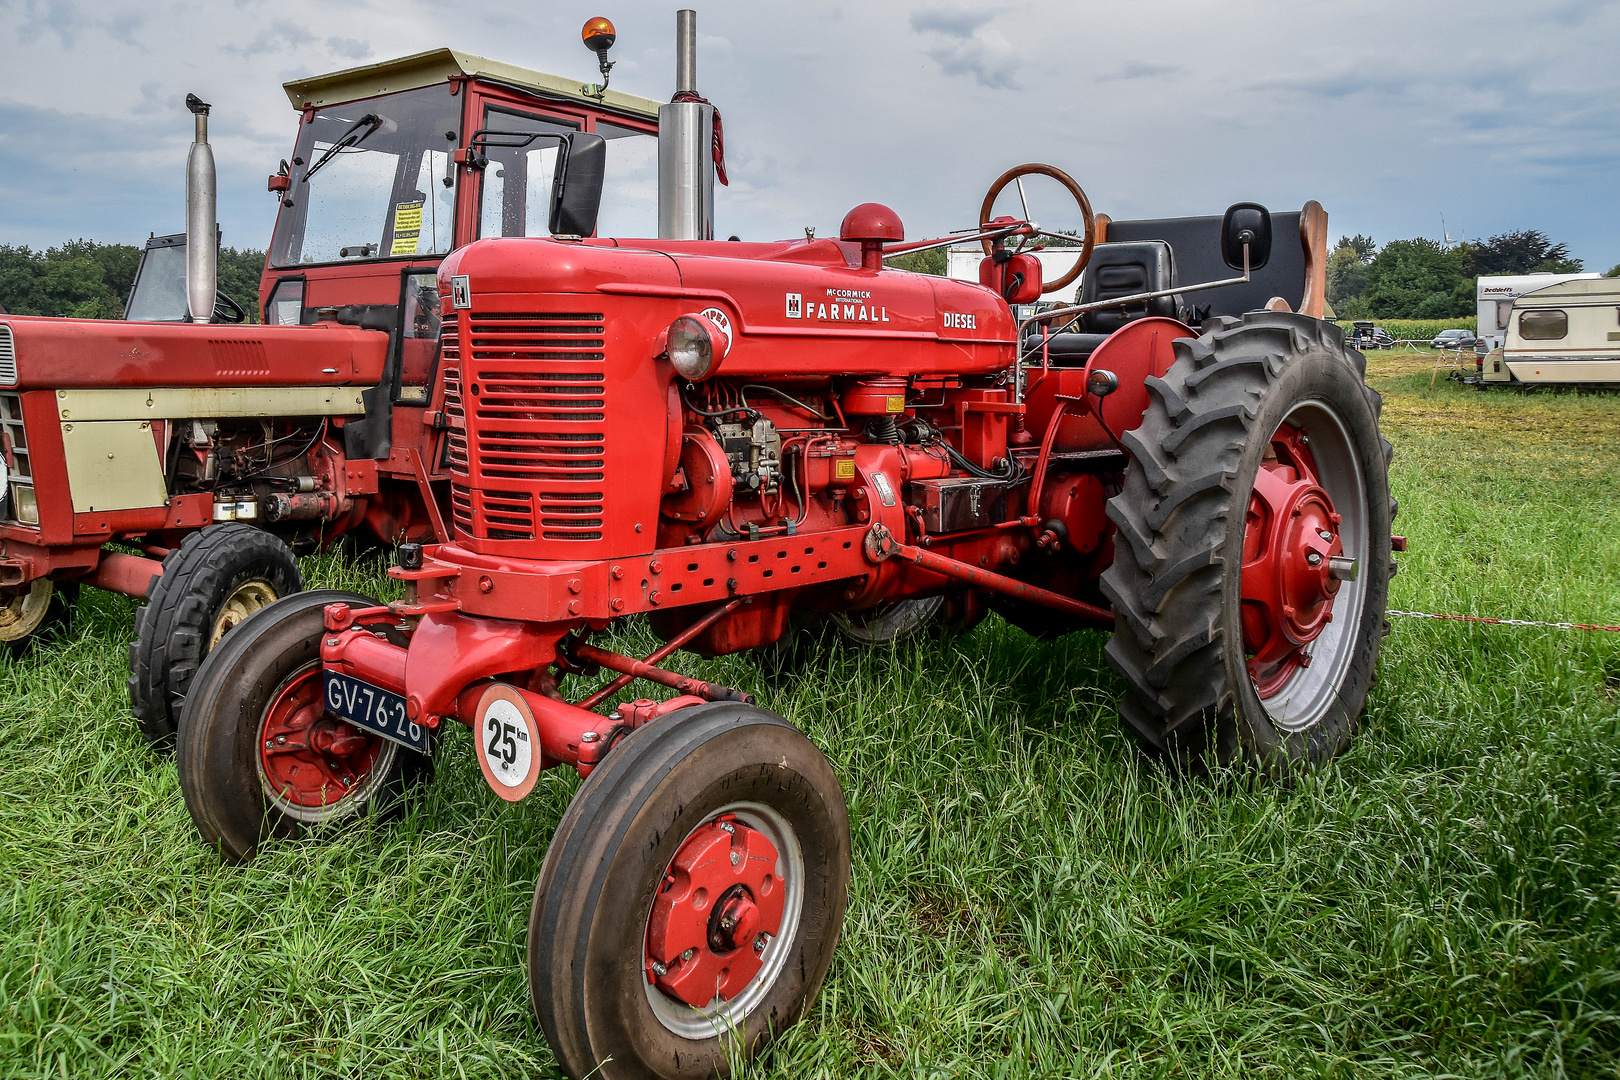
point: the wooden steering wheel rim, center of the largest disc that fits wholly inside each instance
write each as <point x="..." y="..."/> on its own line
<point x="1037" y="169"/>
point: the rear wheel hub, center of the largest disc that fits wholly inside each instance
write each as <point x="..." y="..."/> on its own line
<point x="1291" y="537"/>
<point x="720" y="904"/>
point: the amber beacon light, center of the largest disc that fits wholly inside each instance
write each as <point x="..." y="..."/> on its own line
<point x="598" y="35"/>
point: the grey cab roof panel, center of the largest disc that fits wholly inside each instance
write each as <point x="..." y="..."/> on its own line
<point x="437" y="65"/>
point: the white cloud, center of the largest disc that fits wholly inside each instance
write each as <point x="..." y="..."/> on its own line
<point x="1499" y="114"/>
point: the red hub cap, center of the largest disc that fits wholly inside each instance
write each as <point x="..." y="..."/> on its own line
<point x="309" y="758"/>
<point x="720" y="904"/>
<point x="1290" y="539"/>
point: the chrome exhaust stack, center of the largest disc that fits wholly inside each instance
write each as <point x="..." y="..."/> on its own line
<point x="686" y="147"/>
<point x="202" y="219"/>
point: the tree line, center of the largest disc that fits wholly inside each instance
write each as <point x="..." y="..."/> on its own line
<point x="1423" y="279"/>
<point x="85" y="280"/>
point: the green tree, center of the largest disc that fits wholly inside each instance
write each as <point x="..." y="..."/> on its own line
<point x="1521" y="252"/>
<point x="239" y="274"/>
<point x="921" y="262"/>
<point x="86" y="280"/>
<point x="1418" y="279"/>
<point x="1614" y="271"/>
<point x="1560" y="266"/>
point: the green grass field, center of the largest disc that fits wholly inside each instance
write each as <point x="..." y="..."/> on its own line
<point x="1029" y="898"/>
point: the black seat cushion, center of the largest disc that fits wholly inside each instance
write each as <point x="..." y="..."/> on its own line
<point x="1121" y="269"/>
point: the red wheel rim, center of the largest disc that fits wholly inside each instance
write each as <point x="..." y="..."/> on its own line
<point x="308" y="760"/>
<point x="1290" y="539"/>
<point x="718" y="908"/>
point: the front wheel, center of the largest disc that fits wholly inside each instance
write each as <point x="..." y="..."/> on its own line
<point x="690" y="902"/>
<point x="36" y="611"/>
<point x="1252" y="558"/>
<point x="259" y="755"/>
<point x="210" y="585"/>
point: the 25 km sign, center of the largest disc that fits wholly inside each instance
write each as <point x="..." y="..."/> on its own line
<point x="508" y="743"/>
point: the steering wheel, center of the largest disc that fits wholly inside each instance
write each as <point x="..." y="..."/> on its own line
<point x="227" y="310"/>
<point x="1036" y="169"/>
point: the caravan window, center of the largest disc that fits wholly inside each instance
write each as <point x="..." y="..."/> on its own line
<point x="1543" y="325"/>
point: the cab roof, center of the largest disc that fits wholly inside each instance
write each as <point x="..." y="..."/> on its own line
<point x="437" y="65"/>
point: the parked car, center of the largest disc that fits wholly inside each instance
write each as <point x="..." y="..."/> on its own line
<point x="1453" y="339"/>
<point x="1365" y="335"/>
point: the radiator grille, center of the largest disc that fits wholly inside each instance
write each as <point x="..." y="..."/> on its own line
<point x="533" y="392"/>
<point x="8" y="357"/>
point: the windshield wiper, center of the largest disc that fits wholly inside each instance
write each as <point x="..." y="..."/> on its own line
<point x="353" y="137"/>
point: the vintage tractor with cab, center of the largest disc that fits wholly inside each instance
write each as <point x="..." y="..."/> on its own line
<point x="733" y="438"/>
<point x="183" y="463"/>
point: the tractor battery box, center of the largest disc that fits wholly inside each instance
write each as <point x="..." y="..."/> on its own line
<point x="955" y="505"/>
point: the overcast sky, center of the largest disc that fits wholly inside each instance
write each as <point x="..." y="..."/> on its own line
<point x="1497" y="115"/>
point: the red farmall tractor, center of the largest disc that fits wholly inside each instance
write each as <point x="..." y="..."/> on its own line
<point x="183" y="463"/>
<point x="732" y="438"/>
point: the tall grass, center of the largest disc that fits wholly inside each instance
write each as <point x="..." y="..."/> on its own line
<point x="1030" y="898"/>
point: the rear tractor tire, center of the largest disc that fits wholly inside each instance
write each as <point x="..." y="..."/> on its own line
<point x="210" y="584"/>
<point x="35" y="612"/>
<point x="1252" y="559"/>
<point x="690" y="901"/>
<point x="258" y="754"/>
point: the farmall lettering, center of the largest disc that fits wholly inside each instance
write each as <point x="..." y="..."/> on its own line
<point x="839" y="305"/>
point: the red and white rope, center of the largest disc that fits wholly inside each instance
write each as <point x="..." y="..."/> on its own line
<point x="1503" y="622"/>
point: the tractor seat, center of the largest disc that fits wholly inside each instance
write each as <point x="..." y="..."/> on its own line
<point x="1117" y="269"/>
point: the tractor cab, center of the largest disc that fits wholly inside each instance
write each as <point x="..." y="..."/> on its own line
<point x="399" y="163"/>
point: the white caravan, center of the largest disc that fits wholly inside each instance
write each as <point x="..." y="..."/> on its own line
<point x="1495" y="295"/>
<point x="1564" y="333"/>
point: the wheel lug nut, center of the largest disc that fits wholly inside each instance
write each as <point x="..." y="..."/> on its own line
<point x="736" y="857"/>
<point x="688" y="954"/>
<point x="1324" y="534"/>
<point x="1314" y="558"/>
<point x="761" y="941"/>
<point x="726" y="826"/>
<point x="659" y="969"/>
<point x="281" y="740"/>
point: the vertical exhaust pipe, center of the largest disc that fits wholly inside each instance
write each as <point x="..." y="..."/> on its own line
<point x="202" y="219"/>
<point x="686" y="147"/>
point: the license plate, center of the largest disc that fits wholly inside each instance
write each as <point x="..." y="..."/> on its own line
<point x="373" y="709"/>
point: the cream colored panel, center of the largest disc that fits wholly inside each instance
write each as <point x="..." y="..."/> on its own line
<point x="208" y="402"/>
<point x="1565" y="371"/>
<point x="113" y="465"/>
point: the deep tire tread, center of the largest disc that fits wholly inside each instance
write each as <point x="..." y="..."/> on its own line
<point x="173" y="626"/>
<point x="1174" y="516"/>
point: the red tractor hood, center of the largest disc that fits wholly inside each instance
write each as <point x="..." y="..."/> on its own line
<point x="774" y="298"/>
<point x="103" y="354"/>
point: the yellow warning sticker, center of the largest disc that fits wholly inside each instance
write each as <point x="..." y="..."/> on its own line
<point x="407" y="228"/>
<point x="896" y="403"/>
<point x="844" y="469"/>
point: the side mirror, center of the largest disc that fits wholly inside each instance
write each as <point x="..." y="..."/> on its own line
<point x="576" y="194"/>
<point x="1246" y="223"/>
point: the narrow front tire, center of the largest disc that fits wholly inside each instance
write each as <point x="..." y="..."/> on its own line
<point x="690" y="902"/>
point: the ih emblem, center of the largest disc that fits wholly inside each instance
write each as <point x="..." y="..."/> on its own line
<point x="461" y="292"/>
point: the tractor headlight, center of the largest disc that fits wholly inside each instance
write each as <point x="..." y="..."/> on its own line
<point x="27" y="508"/>
<point x="695" y="345"/>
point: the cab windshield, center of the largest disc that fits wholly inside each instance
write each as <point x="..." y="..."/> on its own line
<point x="370" y="181"/>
